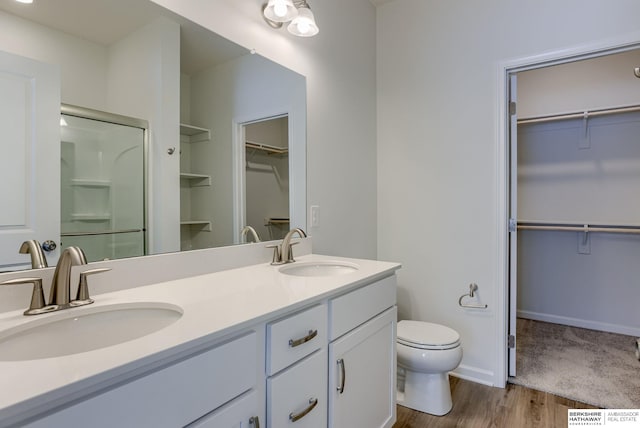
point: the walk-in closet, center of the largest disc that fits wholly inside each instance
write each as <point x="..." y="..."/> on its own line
<point x="577" y="219"/>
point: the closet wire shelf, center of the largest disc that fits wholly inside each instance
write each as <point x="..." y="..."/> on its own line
<point x="571" y="227"/>
<point x="580" y="115"/>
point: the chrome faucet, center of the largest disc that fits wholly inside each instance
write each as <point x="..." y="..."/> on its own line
<point x="33" y="248"/>
<point x="61" y="283"/>
<point x="284" y="253"/>
<point x="249" y="229"/>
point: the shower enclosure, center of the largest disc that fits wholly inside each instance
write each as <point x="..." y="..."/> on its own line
<point x="103" y="183"/>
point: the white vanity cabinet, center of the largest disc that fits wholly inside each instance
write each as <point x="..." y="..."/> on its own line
<point x="362" y="357"/>
<point x="325" y="362"/>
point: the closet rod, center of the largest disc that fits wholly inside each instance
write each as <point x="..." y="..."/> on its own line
<point x="579" y="115"/>
<point x="580" y="228"/>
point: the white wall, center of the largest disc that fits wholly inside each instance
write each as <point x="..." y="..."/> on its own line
<point x="83" y="65"/>
<point x="339" y="65"/>
<point x="591" y="84"/>
<point x="439" y="162"/>
<point x="144" y="82"/>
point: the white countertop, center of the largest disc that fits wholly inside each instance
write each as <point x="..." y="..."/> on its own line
<point x="215" y="306"/>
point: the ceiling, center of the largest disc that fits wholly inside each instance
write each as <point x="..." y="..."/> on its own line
<point x="107" y="21"/>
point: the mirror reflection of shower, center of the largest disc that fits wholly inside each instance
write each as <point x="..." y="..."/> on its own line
<point x="267" y="177"/>
<point x="102" y="183"/>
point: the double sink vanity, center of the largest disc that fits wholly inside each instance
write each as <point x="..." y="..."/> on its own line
<point x="304" y="344"/>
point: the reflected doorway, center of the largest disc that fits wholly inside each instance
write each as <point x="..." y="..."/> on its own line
<point x="266" y="176"/>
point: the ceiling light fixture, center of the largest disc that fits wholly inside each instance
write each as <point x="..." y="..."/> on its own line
<point x="303" y="23"/>
<point x="25" y="1"/>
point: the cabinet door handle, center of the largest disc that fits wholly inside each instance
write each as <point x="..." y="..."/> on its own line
<point x="343" y="375"/>
<point x="297" y="342"/>
<point x="255" y="421"/>
<point x="293" y="417"/>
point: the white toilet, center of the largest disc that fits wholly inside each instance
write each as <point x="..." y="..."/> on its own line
<point x="427" y="352"/>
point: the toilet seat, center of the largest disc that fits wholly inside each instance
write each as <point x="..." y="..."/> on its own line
<point x="426" y="335"/>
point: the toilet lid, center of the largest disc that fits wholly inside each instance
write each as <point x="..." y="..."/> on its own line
<point x="426" y="335"/>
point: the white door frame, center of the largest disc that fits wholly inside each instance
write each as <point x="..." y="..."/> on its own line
<point x="505" y="69"/>
<point x="297" y="166"/>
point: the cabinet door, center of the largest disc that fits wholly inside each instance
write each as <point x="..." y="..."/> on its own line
<point x="362" y="375"/>
<point x="242" y="412"/>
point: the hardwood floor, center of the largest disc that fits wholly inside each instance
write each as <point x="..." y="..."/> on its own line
<point x="480" y="406"/>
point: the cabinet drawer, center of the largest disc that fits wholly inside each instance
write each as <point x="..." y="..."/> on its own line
<point x="243" y="412"/>
<point x="170" y="397"/>
<point x="354" y="308"/>
<point x="300" y="392"/>
<point x="295" y="337"/>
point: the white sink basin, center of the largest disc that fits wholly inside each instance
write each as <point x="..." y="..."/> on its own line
<point x="76" y="330"/>
<point x="323" y="268"/>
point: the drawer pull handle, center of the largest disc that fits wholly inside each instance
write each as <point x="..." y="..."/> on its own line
<point x="254" y="421"/>
<point x="343" y="376"/>
<point x="308" y="337"/>
<point x="293" y="417"/>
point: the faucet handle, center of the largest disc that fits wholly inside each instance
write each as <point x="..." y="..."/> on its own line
<point x="277" y="257"/>
<point x="82" y="297"/>
<point x="290" y="258"/>
<point x="37" y="305"/>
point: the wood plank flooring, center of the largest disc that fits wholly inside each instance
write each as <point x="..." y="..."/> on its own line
<point x="481" y="406"/>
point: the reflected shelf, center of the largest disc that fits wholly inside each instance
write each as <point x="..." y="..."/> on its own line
<point x="203" y="224"/>
<point x="193" y="134"/>
<point x="88" y="182"/>
<point x="196" y="180"/>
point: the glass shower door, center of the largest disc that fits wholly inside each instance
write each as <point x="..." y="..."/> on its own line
<point x="102" y="186"/>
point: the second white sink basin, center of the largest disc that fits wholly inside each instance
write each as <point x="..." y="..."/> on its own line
<point x="320" y="268"/>
<point x="76" y="330"/>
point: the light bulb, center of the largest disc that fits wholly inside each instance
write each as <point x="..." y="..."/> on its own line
<point x="280" y="9"/>
<point x="303" y="27"/>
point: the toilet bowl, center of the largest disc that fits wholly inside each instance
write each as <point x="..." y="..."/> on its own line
<point x="426" y="354"/>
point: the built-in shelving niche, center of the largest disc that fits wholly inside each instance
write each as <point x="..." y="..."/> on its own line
<point x="191" y="221"/>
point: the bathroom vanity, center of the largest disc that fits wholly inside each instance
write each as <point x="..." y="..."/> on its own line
<point x="254" y="346"/>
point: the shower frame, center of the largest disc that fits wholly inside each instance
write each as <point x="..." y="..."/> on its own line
<point x="102" y="116"/>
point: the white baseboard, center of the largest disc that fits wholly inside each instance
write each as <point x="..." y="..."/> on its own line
<point x="474" y="374"/>
<point x="577" y="322"/>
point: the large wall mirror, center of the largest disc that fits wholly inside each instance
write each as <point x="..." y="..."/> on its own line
<point x="225" y="136"/>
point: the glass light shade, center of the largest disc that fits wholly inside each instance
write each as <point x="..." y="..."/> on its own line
<point x="280" y="10"/>
<point x="303" y="25"/>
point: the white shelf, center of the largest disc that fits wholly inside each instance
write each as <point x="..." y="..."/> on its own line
<point x="196" y="180"/>
<point x="87" y="182"/>
<point x="194" y="134"/>
<point x="204" y="224"/>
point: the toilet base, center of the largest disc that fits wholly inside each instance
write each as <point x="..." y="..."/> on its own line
<point x="426" y="392"/>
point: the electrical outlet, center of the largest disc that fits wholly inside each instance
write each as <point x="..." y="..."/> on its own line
<point x="315" y="215"/>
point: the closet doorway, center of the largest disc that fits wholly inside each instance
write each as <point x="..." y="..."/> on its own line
<point x="574" y="212"/>
<point x="266" y="178"/>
